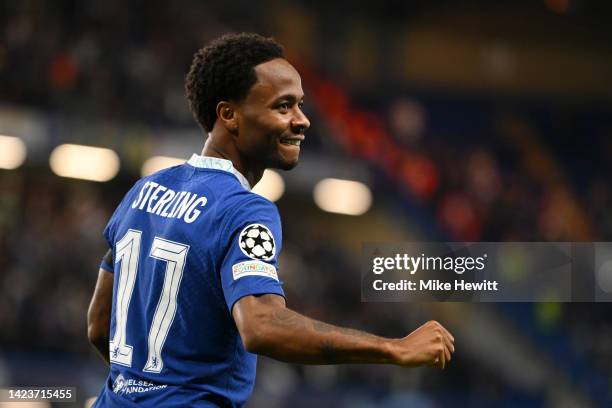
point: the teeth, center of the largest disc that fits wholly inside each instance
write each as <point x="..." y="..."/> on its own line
<point x="294" y="142"/>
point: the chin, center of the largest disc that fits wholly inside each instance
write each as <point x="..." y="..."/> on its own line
<point x="285" y="164"/>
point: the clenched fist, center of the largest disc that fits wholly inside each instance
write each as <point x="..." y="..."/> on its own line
<point x="430" y="344"/>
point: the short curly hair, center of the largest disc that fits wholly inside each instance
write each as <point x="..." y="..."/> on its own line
<point x="224" y="70"/>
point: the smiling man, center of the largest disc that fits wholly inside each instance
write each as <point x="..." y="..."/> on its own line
<point x="189" y="291"/>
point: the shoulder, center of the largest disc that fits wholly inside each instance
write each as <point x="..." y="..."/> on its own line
<point x="252" y="205"/>
<point x="251" y="209"/>
<point x="255" y="227"/>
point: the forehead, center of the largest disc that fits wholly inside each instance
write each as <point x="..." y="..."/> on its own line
<point x="276" y="78"/>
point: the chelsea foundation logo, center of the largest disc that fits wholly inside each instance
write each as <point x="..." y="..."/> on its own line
<point x="126" y="386"/>
<point x="119" y="384"/>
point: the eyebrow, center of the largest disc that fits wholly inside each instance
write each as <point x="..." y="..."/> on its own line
<point x="289" y="97"/>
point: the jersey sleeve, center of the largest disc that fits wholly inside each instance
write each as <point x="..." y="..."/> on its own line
<point x="107" y="262"/>
<point x="253" y="243"/>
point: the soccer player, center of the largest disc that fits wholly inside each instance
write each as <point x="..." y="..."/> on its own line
<point x="189" y="292"/>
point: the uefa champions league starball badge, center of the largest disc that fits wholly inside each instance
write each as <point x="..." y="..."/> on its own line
<point x="257" y="242"/>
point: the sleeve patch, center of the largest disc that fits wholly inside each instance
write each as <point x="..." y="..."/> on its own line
<point x="254" y="268"/>
<point x="257" y="242"/>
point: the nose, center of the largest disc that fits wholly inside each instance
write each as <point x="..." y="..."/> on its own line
<point x="300" y="122"/>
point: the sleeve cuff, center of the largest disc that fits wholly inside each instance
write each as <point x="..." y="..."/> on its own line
<point x="106" y="266"/>
<point x="264" y="291"/>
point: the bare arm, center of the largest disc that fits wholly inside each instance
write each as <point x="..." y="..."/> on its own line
<point x="269" y="328"/>
<point x="98" y="315"/>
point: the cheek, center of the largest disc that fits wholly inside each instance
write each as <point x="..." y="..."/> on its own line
<point x="273" y="127"/>
<point x="263" y="129"/>
<point x="281" y="124"/>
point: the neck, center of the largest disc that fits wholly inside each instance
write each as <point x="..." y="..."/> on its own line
<point x="228" y="151"/>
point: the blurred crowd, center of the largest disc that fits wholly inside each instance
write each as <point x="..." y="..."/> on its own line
<point x="49" y="240"/>
<point x="463" y="167"/>
<point x="96" y="59"/>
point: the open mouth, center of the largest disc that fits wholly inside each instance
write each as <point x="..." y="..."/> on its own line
<point x="292" y="142"/>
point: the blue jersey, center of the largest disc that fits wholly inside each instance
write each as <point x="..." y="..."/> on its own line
<point x="188" y="242"/>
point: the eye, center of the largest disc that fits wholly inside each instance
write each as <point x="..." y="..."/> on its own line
<point x="283" y="107"/>
<point x="301" y="104"/>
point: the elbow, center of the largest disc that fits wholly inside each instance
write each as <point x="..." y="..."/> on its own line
<point x="251" y="345"/>
<point x="256" y="334"/>
<point x="254" y="339"/>
<point x="96" y="335"/>
<point x="255" y="321"/>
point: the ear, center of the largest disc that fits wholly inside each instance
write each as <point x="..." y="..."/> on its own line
<point x="226" y="114"/>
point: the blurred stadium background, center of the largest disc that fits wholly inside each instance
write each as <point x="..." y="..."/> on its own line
<point x="462" y="121"/>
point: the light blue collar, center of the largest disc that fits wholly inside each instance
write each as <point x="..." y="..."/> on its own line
<point x="207" y="162"/>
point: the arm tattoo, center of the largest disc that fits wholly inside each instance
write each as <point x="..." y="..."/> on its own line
<point x="322" y="327"/>
<point x="287" y="318"/>
<point x="329" y="351"/>
<point x="312" y="341"/>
